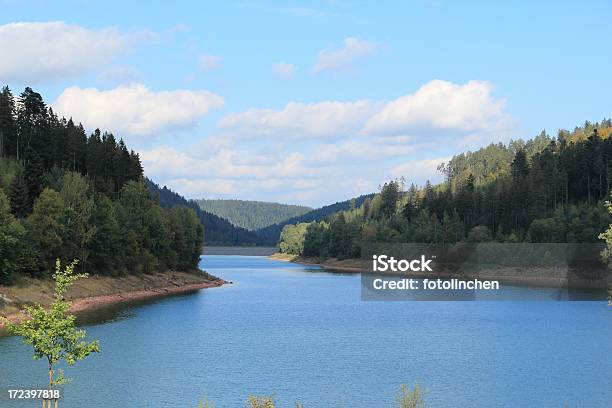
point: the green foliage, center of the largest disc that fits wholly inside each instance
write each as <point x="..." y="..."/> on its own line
<point x="77" y="197"/>
<point x="479" y="233"/>
<point x="543" y="190"/>
<point x="105" y="245"/>
<point x="252" y="215"/>
<point x="260" y="402"/>
<point x="270" y="235"/>
<point x="19" y="195"/>
<point x="292" y="239"/>
<point x="12" y="236"/>
<point x="188" y="237"/>
<point x="78" y="206"/>
<point x="218" y="230"/>
<point x="52" y="332"/>
<point x="411" y="398"/>
<point x="46" y="228"/>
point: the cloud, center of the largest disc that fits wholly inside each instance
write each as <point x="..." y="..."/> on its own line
<point x="135" y="109"/>
<point x="358" y="152"/>
<point x="353" y="49"/>
<point x="419" y="171"/>
<point x="439" y="110"/>
<point x="442" y="106"/>
<point x="50" y="51"/>
<point x="297" y="120"/>
<point x="317" y="153"/>
<point x="290" y="177"/>
<point x="284" y="70"/>
<point x="210" y="62"/>
<point x="227" y="163"/>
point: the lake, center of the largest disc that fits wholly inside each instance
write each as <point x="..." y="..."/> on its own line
<point x="304" y="334"/>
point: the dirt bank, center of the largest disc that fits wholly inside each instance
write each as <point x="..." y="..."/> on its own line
<point x="100" y="291"/>
<point x="538" y="277"/>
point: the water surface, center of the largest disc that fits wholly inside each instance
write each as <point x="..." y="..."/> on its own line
<point x="304" y="334"/>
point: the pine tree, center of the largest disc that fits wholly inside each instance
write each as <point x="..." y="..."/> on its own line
<point x="34" y="172"/>
<point x="19" y="197"/>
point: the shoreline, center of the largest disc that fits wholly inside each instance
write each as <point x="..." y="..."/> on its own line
<point x="355" y="266"/>
<point x="99" y="292"/>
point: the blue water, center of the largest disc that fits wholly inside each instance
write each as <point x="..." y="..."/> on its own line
<point x="304" y="334"/>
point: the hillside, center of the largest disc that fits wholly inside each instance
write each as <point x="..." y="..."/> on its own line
<point x="75" y="197"/>
<point x="271" y="234"/>
<point x="217" y="231"/>
<point x="252" y="215"/>
<point x="543" y="190"/>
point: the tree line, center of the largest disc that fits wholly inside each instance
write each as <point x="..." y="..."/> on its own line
<point x="544" y="190"/>
<point x="252" y="215"/>
<point x="219" y="231"/>
<point x="65" y="195"/>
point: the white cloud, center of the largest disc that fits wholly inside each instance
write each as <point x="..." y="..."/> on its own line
<point x="442" y="106"/>
<point x="419" y="171"/>
<point x="293" y="177"/>
<point x="358" y="152"/>
<point x="227" y="163"/>
<point x="284" y="70"/>
<point x="135" y="109"/>
<point x="210" y="62"/>
<point x="439" y="109"/>
<point x="353" y="49"/>
<point x="49" y="51"/>
<point x="323" y="152"/>
<point x="297" y="120"/>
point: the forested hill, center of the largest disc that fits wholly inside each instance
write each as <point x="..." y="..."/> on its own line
<point x="252" y="215"/>
<point x="218" y="231"/>
<point x="68" y="195"/>
<point x="271" y="234"/>
<point x="544" y="190"/>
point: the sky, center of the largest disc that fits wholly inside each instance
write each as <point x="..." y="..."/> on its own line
<point x="310" y="102"/>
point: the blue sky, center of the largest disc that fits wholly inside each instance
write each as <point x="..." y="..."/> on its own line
<point x="310" y="102"/>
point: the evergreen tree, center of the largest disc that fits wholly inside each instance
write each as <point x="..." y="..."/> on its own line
<point x="34" y="173"/>
<point x="19" y="196"/>
<point x="7" y="123"/>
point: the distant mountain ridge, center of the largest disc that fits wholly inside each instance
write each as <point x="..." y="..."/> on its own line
<point x="271" y="234"/>
<point x="252" y="215"/>
<point x="217" y="231"/>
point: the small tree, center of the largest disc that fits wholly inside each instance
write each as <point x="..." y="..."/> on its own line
<point x="607" y="252"/>
<point x="52" y="332"/>
<point x="411" y="398"/>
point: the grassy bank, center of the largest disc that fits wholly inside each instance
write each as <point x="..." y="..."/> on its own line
<point x="100" y="291"/>
<point x="339" y="265"/>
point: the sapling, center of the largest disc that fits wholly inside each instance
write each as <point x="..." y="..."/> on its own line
<point x="52" y="331"/>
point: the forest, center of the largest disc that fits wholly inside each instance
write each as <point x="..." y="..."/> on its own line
<point x="271" y="234"/>
<point x="543" y="190"/>
<point x="66" y="195"/>
<point x="252" y="215"/>
<point x="219" y="231"/>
